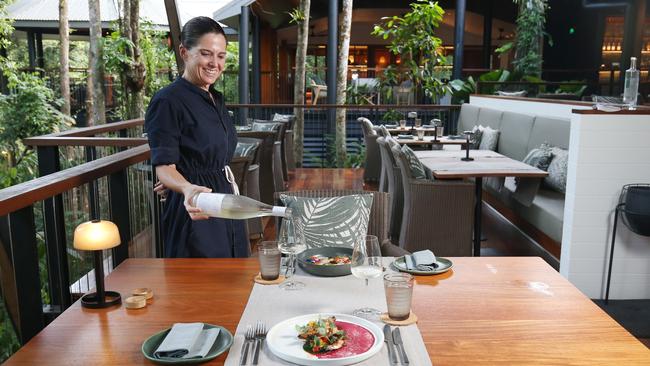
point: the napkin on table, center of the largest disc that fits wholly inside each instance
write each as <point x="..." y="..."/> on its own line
<point x="187" y="340"/>
<point x="405" y="137"/>
<point x="423" y="260"/>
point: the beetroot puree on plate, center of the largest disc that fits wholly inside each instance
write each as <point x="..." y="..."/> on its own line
<point x="359" y="340"/>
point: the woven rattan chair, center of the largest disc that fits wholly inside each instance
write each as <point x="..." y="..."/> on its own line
<point x="252" y="185"/>
<point x="395" y="189"/>
<point x="438" y="215"/>
<point x="379" y="220"/>
<point x="373" y="160"/>
<point x="266" y="162"/>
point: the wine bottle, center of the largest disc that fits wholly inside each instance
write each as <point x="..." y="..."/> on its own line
<point x="230" y="206"/>
<point x="631" y="84"/>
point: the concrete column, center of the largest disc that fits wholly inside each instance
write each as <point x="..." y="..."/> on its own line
<point x="256" y="96"/>
<point x="487" y="34"/>
<point x="459" y="27"/>
<point x="244" y="97"/>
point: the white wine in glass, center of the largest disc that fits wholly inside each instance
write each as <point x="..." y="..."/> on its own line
<point x="366" y="264"/>
<point x="291" y="242"/>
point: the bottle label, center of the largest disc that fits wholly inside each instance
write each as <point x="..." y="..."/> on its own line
<point x="279" y="211"/>
<point x="210" y="203"/>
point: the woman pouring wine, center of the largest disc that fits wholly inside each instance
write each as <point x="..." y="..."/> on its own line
<point x="192" y="140"/>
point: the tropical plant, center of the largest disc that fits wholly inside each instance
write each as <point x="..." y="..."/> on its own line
<point x="392" y="115"/>
<point x="530" y="35"/>
<point x="412" y="36"/>
<point x="461" y="90"/>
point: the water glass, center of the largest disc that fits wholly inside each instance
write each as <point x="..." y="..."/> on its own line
<point x="366" y="264"/>
<point x="402" y="124"/>
<point x="291" y="242"/>
<point x="399" y="291"/>
<point x="420" y="135"/>
<point x="440" y="131"/>
<point x="418" y="122"/>
<point x="269" y="256"/>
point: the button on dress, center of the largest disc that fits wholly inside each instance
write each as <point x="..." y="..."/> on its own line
<point x="186" y="127"/>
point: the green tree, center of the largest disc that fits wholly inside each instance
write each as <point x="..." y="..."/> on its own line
<point x="530" y="36"/>
<point x="412" y="36"/>
<point x="300" y="16"/>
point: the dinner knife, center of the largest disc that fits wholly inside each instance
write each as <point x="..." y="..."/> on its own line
<point x="388" y="338"/>
<point x="397" y="339"/>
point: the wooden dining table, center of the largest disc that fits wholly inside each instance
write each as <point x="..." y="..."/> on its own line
<point x="430" y="141"/>
<point x="447" y="164"/>
<point x="484" y="311"/>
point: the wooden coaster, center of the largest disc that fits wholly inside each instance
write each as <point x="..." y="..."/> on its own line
<point x="412" y="319"/>
<point x="258" y="279"/>
<point x="135" y="302"/>
<point x="144" y="291"/>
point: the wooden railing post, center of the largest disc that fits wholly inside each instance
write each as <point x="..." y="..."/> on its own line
<point x="120" y="215"/>
<point x="20" y="273"/>
<point x="55" y="235"/>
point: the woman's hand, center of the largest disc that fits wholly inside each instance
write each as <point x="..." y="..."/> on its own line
<point x="161" y="191"/>
<point x="189" y="192"/>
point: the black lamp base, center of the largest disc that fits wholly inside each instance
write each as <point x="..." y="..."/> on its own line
<point x="467" y="159"/>
<point x="92" y="301"/>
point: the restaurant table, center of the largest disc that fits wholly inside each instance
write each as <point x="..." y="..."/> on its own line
<point x="447" y="164"/>
<point x="484" y="311"/>
<point x="430" y="141"/>
<point x="409" y="129"/>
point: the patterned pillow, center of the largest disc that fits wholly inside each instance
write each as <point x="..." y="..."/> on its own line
<point x="266" y="126"/>
<point x="417" y="169"/>
<point x="246" y="149"/>
<point x="556" y="178"/>
<point x="277" y="117"/>
<point x="489" y="138"/>
<point x="383" y="131"/>
<point x="330" y="221"/>
<point x="539" y="158"/>
<point x="475" y="139"/>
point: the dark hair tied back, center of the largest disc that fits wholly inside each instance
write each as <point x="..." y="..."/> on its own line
<point x="195" y="28"/>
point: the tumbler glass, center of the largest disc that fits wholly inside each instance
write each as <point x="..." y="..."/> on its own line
<point x="269" y="256"/>
<point x="399" y="290"/>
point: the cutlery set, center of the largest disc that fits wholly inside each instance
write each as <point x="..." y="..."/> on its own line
<point x="395" y="346"/>
<point x="254" y="337"/>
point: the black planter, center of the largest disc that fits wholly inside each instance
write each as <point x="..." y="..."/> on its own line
<point x="636" y="212"/>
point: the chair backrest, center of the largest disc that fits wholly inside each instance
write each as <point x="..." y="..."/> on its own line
<point x="279" y="127"/>
<point x="239" y="167"/>
<point x="265" y="153"/>
<point x="394" y="186"/>
<point x="379" y="221"/>
<point x="366" y="126"/>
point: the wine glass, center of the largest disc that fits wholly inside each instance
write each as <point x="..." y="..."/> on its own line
<point x="366" y="264"/>
<point x="290" y="241"/>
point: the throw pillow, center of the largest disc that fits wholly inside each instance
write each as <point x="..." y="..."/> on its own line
<point x="489" y="138"/>
<point x="475" y="138"/>
<point x="539" y="158"/>
<point x="266" y="126"/>
<point x="417" y="169"/>
<point x="330" y="221"/>
<point x="557" y="170"/>
<point x="277" y="117"/>
<point x="245" y="149"/>
<point x="383" y="131"/>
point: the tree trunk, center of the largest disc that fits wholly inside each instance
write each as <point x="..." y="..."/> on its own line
<point x="64" y="59"/>
<point x="342" y="80"/>
<point x="97" y="115"/>
<point x="299" y="83"/>
<point x="135" y="72"/>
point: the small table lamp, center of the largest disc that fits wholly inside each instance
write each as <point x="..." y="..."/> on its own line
<point x="467" y="158"/>
<point x="97" y="235"/>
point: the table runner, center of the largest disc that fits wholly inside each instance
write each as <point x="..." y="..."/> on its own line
<point x="324" y="295"/>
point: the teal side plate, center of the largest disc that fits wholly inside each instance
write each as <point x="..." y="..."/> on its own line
<point x="444" y="265"/>
<point x="221" y="344"/>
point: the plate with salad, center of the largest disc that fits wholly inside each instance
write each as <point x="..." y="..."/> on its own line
<point x="325" y="339"/>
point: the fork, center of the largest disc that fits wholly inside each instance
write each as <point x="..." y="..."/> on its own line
<point x="260" y="335"/>
<point x="250" y="337"/>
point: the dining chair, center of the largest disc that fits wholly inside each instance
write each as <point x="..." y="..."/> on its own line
<point x="378" y="222"/>
<point x="395" y="189"/>
<point x="267" y="162"/>
<point x="372" y="168"/>
<point x="438" y="214"/>
<point x="252" y="185"/>
<point x="280" y="128"/>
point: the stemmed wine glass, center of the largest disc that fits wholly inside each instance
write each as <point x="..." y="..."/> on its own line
<point x="290" y="241"/>
<point x="366" y="264"/>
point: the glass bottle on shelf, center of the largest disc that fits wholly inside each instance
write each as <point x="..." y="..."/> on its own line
<point x="631" y="84"/>
<point x="237" y="207"/>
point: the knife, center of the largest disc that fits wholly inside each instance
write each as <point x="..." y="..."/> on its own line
<point x="397" y="339"/>
<point x="388" y="337"/>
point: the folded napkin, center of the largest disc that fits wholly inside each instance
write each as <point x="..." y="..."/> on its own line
<point x="390" y="126"/>
<point x="423" y="260"/>
<point x="428" y="126"/>
<point x="187" y="340"/>
<point x="405" y="137"/>
<point x="456" y="137"/>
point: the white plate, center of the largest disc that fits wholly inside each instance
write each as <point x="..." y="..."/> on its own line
<point x="283" y="341"/>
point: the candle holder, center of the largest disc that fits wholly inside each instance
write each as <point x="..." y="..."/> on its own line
<point x="467" y="158"/>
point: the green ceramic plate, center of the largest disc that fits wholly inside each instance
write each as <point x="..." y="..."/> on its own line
<point x="325" y="270"/>
<point x="223" y="343"/>
<point x="444" y="265"/>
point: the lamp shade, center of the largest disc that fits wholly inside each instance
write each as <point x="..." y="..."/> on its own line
<point x="96" y="235"/>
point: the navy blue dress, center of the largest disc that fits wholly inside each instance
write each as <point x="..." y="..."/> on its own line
<point x="187" y="128"/>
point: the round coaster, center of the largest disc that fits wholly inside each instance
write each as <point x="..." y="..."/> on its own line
<point x="412" y="319"/>
<point x="258" y="279"/>
<point x="144" y="291"/>
<point x="135" y="302"/>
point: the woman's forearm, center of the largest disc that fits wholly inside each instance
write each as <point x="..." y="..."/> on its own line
<point x="171" y="178"/>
